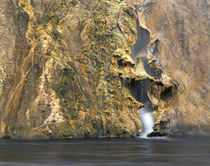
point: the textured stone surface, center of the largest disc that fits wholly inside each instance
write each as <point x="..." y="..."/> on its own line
<point x="179" y="46"/>
<point x="66" y="69"/>
<point x="60" y="72"/>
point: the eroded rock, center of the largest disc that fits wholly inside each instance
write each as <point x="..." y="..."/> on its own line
<point x="178" y="47"/>
<point x="59" y="70"/>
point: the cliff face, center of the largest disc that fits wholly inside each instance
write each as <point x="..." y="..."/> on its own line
<point x="179" y="47"/>
<point x="62" y="66"/>
<point x="65" y="67"/>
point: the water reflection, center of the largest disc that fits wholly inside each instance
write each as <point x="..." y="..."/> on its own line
<point x="107" y="152"/>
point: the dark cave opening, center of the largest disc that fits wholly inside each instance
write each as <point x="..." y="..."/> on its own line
<point x="139" y="89"/>
<point x="167" y="93"/>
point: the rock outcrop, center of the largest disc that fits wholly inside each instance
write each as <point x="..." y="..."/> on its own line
<point x="179" y="49"/>
<point x="66" y="69"/>
<point x="62" y="68"/>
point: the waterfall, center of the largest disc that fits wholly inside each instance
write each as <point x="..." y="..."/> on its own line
<point x="139" y="51"/>
<point x="140" y="88"/>
<point x="146" y="119"/>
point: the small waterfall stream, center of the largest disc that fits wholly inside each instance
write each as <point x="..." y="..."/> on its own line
<point x="139" y="53"/>
<point x="146" y="119"/>
<point x="140" y="88"/>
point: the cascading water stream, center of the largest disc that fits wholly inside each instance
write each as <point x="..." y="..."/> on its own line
<point x="140" y="92"/>
<point x="146" y="119"/>
<point x="139" y="51"/>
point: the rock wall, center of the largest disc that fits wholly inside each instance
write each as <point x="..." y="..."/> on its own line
<point x="179" y="49"/>
<point x="66" y="69"/>
<point x="62" y="68"/>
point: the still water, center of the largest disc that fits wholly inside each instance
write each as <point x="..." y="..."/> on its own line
<point x="121" y="152"/>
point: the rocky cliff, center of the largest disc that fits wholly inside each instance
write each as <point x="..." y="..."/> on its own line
<point x="179" y="49"/>
<point x="66" y="67"/>
<point x="62" y="66"/>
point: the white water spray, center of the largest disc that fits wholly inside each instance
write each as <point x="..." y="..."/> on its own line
<point x="146" y="119"/>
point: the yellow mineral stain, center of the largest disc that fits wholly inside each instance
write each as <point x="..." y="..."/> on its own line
<point x="28" y="62"/>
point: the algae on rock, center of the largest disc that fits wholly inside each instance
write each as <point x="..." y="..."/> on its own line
<point x="68" y="78"/>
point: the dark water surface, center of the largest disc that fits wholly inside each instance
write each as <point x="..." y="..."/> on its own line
<point x="122" y="152"/>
